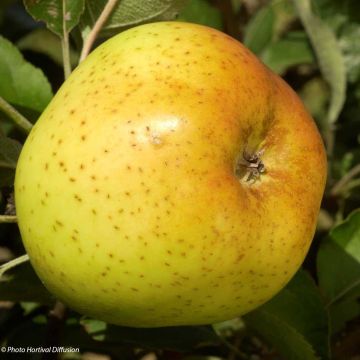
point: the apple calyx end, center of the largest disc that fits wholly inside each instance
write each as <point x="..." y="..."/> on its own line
<point x="252" y="168"/>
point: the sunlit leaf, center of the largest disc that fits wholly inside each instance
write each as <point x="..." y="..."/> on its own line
<point x="292" y="50"/>
<point x="59" y="15"/>
<point x="22" y="83"/>
<point x="129" y="13"/>
<point x="202" y="12"/>
<point x="259" y="31"/>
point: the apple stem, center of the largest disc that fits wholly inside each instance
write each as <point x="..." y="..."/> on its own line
<point x="18" y="119"/>
<point x="90" y="39"/>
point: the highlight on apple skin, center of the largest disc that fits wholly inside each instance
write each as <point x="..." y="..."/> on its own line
<point x="172" y="180"/>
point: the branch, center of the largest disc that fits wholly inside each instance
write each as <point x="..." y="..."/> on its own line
<point x="329" y="137"/>
<point x="66" y="55"/>
<point x="12" y="263"/>
<point x="230" y="21"/>
<point x="89" y="41"/>
<point x="65" y="45"/>
<point x="18" y="119"/>
<point x="56" y="319"/>
<point x="8" y="219"/>
<point x="234" y="349"/>
<point x="340" y="185"/>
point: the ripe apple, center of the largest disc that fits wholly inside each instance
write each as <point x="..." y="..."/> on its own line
<point x="172" y="180"/>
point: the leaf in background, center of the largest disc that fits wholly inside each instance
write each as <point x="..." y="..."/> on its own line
<point x="292" y="50"/>
<point x="182" y="338"/>
<point x="201" y="12"/>
<point x="285" y="16"/>
<point x="259" y="31"/>
<point x="338" y="273"/>
<point x="329" y="55"/>
<point x="59" y="15"/>
<point x="315" y="94"/>
<point x="9" y="152"/>
<point x="349" y="9"/>
<point x="294" y="321"/>
<point x="129" y="13"/>
<point x="45" y="42"/>
<point x="344" y="18"/>
<point x="338" y="267"/>
<point x="350" y="46"/>
<point x="22" y="284"/>
<point x="22" y="83"/>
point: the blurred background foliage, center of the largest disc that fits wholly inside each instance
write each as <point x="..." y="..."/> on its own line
<point x="315" y="46"/>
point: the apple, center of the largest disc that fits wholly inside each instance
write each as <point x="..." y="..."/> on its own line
<point x="173" y="180"/>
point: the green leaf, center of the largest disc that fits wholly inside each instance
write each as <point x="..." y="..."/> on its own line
<point x="338" y="267"/>
<point x="259" y="31"/>
<point x="22" y="284"/>
<point x="59" y="15"/>
<point x="45" y="42"/>
<point x="9" y="152"/>
<point x="292" y="50"/>
<point x="183" y="338"/>
<point x="338" y="272"/>
<point x="338" y="259"/>
<point x="294" y="321"/>
<point x="329" y="55"/>
<point x="129" y="13"/>
<point x="22" y="83"/>
<point x="201" y="12"/>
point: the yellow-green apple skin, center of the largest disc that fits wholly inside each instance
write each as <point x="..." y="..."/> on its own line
<point x="133" y="199"/>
